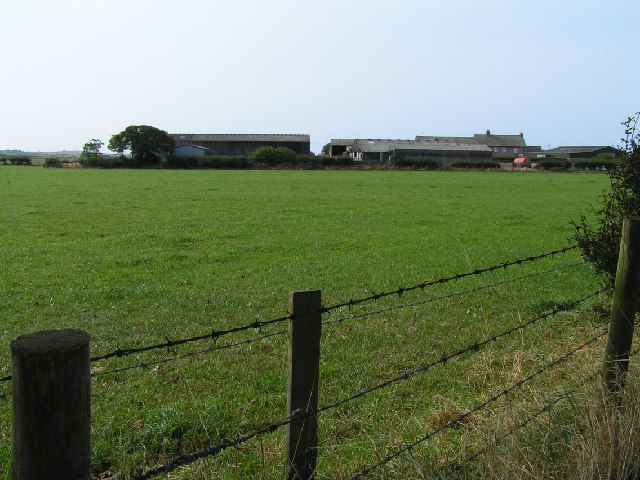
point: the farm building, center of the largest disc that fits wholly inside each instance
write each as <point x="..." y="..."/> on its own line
<point x="189" y="144"/>
<point x="579" y="152"/>
<point x="384" y="150"/>
<point x="340" y="146"/>
<point x="501" y="145"/>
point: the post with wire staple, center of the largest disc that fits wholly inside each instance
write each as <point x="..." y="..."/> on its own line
<point x="624" y="307"/>
<point x="51" y="406"/>
<point x="302" y="390"/>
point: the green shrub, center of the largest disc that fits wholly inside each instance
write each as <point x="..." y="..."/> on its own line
<point x="272" y="157"/>
<point x="20" y="160"/>
<point x="52" y="162"/>
<point x="471" y="165"/>
<point x="417" y="162"/>
<point x="108" y="162"/>
<point x="554" y="164"/>
<point x="600" y="242"/>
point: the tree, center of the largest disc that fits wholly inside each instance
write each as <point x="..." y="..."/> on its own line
<point x="600" y="244"/>
<point x="325" y="150"/>
<point x="145" y="143"/>
<point x="91" y="149"/>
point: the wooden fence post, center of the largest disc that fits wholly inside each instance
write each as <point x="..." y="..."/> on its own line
<point x="302" y="390"/>
<point x="624" y="307"/>
<point x="51" y="406"/>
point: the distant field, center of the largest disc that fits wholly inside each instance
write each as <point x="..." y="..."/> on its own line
<point x="136" y="256"/>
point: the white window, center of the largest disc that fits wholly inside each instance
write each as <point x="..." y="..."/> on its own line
<point x="515" y="150"/>
<point x="495" y="149"/>
<point x="504" y="150"/>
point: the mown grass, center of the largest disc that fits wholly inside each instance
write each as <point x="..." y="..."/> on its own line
<point x="134" y="257"/>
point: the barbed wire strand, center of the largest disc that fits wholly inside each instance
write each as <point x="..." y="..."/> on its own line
<point x="120" y="352"/>
<point x="451" y="295"/>
<point x="421" y="286"/>
<point x="492" y="443"/>
<point x="215" y="335"/>
<point x="145" y="365"/>
<point x="187" y="459"/>
<point x="189" y="354"/>
<point x="471" y="458"/>
<point x="475" y="409"/>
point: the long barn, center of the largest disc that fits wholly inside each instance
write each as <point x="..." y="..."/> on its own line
<point x="196" y="144"/>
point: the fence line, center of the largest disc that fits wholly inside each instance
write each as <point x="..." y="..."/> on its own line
<point x="145" y="365"/>
<point x="189" y="354"/>
<point x="119" y="352"/>
<point x="477" y="408"/>
<point x="421" y="286"/>
<point x="212" y="451"/>
<point x="451" y="295"/>
<point x="317" y="310"/>
<point x="528" y="420"/>
<point x="522" y="424"/>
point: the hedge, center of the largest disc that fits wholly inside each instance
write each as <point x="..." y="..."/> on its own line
<point x="416" y="162"/>
<point x="595" y="164"/>
<point x="479" y="165"/>
<point x="553" y="164"/>
<point x="210" y="161"/>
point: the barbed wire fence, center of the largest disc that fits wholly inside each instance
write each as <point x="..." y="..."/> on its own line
<point x="295" y="417"/>
<point x="475" y="347"/>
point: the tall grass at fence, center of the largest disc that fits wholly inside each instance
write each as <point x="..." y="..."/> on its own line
<point x="136" y="256"/>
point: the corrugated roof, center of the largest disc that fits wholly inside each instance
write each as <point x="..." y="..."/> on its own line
<point x="585" y="149"/>
<point x="233" y="137"/>
<point x="436" y="138"/>
<point x="387" y="145"/>
<point x="448" y="146"/>
<point x="342" y="142"/>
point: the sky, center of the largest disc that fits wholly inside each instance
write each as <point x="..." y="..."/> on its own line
<point x="562" y="72"/>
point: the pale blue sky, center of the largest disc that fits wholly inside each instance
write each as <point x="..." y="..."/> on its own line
<point x="562" y="72"/>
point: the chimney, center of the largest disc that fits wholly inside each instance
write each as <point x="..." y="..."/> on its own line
<point x="522" y="134"/>
<point x="488" y="132"/>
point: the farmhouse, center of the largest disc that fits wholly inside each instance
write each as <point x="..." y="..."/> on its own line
<point x="194" y="145"/>
<point x="502" y="145"/>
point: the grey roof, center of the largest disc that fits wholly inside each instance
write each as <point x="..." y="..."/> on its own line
<point x="500" y="140"/>
<point x="436" y="138"/>
<point x="387" y="145"/>
<point x="584" y="149"/>
<point x="342" y="142"/>
<point x="439" y="146"/>
<point x="254" y="137"/>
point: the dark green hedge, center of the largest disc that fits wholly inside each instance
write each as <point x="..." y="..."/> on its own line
<point x="553" y="164"/>
<point x="595" y="164"/>
<point x="479" y="165"/>
<point x="416" y="162"/>
<point x="218" y="161"/>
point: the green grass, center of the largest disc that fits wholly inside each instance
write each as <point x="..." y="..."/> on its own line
<point x="136" y="256"/>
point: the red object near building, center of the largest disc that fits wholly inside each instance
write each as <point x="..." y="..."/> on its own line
<point x="522" y="162"/>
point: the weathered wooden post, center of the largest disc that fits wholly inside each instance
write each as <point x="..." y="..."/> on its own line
<point x="624" y="307"/>
<point x="51" y="406"/>
<point x="302" y="391"/>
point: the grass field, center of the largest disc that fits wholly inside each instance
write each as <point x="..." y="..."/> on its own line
<point x="134" y="257"/>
